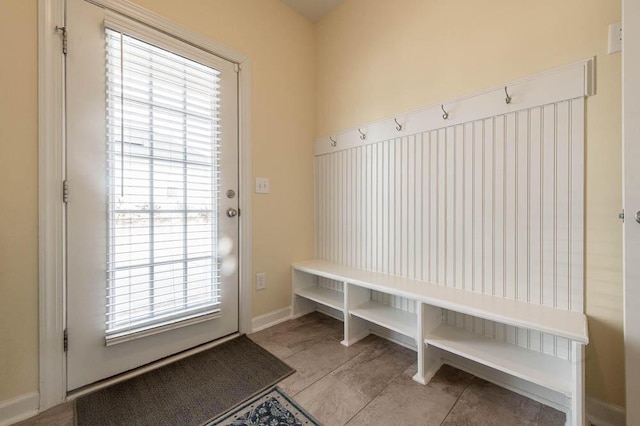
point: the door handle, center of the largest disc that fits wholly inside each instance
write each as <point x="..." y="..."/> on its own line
<point x="637" y="216"/>
<point x="231" y="212"/>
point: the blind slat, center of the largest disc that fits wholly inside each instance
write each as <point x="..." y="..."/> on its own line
<point x="163" y="159"/>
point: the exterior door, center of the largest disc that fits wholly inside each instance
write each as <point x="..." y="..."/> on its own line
<point x="631" y="162"/>
<point x="152" y="173"/>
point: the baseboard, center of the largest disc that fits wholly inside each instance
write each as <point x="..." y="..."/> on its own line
<point x="333" y="313"/>
<point x="523" y="387"/>
<point x="600" y="413"/>
<point x="19" y="408"/>
<point x="269" y="320"/>
<point x="397" y="338"/>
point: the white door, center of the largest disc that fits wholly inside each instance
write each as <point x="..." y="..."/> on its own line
<point x="631" y="160"/>
<point x="152" y="170"/>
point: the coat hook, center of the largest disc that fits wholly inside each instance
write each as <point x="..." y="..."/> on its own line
<point x="333" y="141"/>
<point x="362" y="135"/>
<point x="508" y="98"/>
<point x="446" y="114"/>
<point x="398" y="125"/>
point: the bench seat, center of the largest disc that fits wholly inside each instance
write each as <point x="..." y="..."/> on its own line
<point x="438" y="342"/>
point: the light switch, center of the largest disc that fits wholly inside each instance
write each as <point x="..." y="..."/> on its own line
<point x="262" y="185"/>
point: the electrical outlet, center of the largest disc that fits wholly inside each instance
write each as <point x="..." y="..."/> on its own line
<point x="615" y="38"/>
<point x="261" y="281"/>
<point x="262" y="185"/>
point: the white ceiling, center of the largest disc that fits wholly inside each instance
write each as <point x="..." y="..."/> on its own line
<point x="312" y="9"/>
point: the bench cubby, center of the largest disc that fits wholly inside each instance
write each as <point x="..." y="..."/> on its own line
<point x="438" y="342"/>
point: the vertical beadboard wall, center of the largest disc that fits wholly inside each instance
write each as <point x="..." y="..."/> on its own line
<point x="492" y="206"/>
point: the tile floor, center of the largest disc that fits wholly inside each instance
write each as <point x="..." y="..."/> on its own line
<point x="370" y="384"/>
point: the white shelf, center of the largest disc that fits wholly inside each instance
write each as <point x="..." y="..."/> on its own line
<point x="389" y="317"/>
<point x="325" y="296"/>
<point x="545" y="370"/>
<point x="567" y="324"/>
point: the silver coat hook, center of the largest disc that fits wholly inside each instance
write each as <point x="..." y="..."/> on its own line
<point x="446" y="114"/>
<point x="398" y="125"/>
<point x="362" y="135"/>
<point x="508" y="98"/>
<point x="333" y="141"/>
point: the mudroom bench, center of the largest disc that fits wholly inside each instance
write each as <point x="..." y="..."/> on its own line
<point x="558" y="381"/>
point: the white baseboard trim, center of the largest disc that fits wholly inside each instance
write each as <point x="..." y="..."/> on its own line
<point x="523" y="387"/>
<point x="333" y="313"/>
<point x="269" y="320"/>
<point x="397" y="338"/>
<point x="19" y="408"/>
<point x="600" y="413"/>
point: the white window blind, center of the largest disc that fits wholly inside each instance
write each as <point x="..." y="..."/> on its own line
<point x="163" y="177"/>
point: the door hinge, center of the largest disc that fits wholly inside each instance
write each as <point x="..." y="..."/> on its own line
<point x="238" y="212"/>
<point x="65" y="340"/>
<point x="65" y="191"/>
<point x="63" y="30"/>
<point x="621" y="215"/>
<point x="236" y="67"/>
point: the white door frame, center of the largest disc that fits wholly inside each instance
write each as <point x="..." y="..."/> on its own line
<point x="631" y="200"/>
<point x="51" y="167"/>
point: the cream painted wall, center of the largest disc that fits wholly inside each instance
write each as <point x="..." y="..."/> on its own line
<point x="281" y="46"/>
<point x="373" y="59"/>
<point x="19" y="192"/>
<point x="376" y="58"/>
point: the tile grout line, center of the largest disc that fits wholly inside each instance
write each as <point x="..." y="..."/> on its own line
<point x="378" y="394"/>
<point x="457" y="400"/>
<point x="322" y="377"/>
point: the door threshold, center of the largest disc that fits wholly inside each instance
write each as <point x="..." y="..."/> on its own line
<point x="76" y="393"/>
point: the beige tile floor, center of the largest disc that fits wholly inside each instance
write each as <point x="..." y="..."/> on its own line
<point x="370" y="384"/>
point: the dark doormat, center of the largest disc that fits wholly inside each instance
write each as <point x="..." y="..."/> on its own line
<point x="188" y="392"/>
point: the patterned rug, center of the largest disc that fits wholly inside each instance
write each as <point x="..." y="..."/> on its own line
<point x="271" y="408"/>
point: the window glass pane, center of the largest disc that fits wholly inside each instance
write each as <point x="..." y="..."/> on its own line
<point x="163" y="176"/>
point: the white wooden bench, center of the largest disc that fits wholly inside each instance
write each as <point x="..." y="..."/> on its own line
<point x="438" y="342"/>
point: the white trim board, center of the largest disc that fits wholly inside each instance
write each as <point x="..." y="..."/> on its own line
<point x="19" y="408"/>
<point x="51" y="174"/>
<point x="51" y="213"/>
<point x="600" y="413"/>
<point x="560" y="84"/>
<point x="270" y="319"/>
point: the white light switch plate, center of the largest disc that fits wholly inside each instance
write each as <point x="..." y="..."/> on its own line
<point x="262" y="185"/>
<point x="615" y="38"/>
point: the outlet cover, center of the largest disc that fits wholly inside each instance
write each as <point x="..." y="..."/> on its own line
<point x="261" y="281"/>
<point x="262" y="185"/>
<point x="615" y="38"/>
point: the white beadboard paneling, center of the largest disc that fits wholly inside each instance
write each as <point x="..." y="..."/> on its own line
<point x="493" y="206"/>
<point x="499" y="206"/>
<point x="576" y="207"/>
